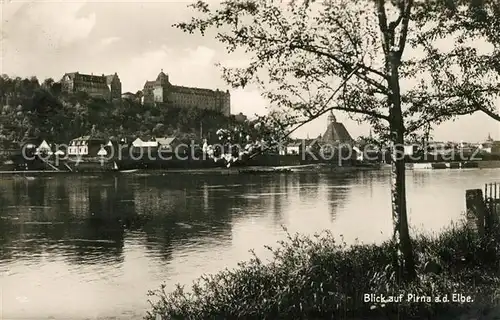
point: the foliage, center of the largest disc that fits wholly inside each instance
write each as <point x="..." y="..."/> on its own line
<point x="474" y="25"/>
<point x="301" y="51"/>
<point x="249" y="139"/>
<point x="302" y="55"/>
<point x="320" y="278"/>
<point x="31" y="109"/>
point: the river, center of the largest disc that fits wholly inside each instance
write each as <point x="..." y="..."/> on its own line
<point x="79" y="247"/>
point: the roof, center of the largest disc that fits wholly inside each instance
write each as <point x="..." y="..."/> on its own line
<point x="197" y="90"/>
<point x="102" y="152"/>
<point x="165" y="141"/>
<point x="88" y="77"/>
<point x="87" y="138"/>
<point x="294" y="144"/>
<point x="137" y="142"/>
<point x="336" y="132"/>
<point x="141" y="143"/>
<point x="162" y="77"/>
<point x="149" y="144"/>
<point x="71" y="75"/>
<point x="44" y="145"/>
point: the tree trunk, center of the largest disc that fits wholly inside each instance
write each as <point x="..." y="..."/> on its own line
<point x="401" y="236"/>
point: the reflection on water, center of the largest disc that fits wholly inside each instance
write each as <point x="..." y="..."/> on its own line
<point x="91" y="247"/>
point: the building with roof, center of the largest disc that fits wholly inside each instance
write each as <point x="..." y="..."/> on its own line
<point x="336" y="132"/>
<point x="162" y="146"/>
<point x="44" y="148"/>
<point x="140" y="143"/>
<point x="487" y="145"/>
<point x="300" y="146"/>
<point x="87" y="146"/>
<point x="162" y="91"/>
<point x="108" y="87"/>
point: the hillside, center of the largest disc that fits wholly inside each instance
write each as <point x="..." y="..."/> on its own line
<point x="31" y="108"/>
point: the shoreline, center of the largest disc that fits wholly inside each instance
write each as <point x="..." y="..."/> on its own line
<point x="447" y="272"/>
<point x="317" y="168"/>
<point x="232" y="170"/>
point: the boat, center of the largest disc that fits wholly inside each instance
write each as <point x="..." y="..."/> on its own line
<point x="470" y="164"/>
<point x="259" y="171"/>
<point x="128" y="171"/>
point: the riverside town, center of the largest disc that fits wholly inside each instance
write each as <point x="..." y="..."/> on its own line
<point x="250" y="159"/>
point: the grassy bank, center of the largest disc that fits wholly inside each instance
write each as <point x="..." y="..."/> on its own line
<point x="319" y="278"/>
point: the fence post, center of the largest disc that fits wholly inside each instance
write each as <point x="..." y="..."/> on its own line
<point x="476" y="209"/>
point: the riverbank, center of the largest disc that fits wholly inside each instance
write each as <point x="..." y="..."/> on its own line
<point x="489" y="164"/>
<point x="223" y="171"/>
<point x="318" y="168"/>
<point x="319" y="278"/>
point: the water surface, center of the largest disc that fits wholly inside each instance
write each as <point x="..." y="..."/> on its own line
<point x="91" y="247"/>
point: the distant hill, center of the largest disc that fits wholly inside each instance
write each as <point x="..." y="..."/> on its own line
<point x="30" y="108"/>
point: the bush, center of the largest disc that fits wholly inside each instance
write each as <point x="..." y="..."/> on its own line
<point x="319" y="278"/>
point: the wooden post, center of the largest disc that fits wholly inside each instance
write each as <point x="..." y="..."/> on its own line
<point x="476" y="209"/>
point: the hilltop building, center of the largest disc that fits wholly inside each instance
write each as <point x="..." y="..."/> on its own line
<point x="107" y="87"/>
<point x="162" y="91"/>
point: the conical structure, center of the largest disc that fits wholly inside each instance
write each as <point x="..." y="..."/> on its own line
<point x="331" y="118"/>
<point x="336" y="132"/>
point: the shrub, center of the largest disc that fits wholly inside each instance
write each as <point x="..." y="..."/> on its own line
<point x="319" y="278"/>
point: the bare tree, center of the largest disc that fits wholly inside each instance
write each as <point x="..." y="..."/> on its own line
<point x="301" y="52"/>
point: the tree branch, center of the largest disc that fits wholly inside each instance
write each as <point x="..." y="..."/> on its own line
<point x="404" y="28"/>
<point x="365" y="112"/>
<point x="349" y="66"/>
<point x="315" y="50"/>
<point x="437" y="118"/>
<point x="490" y="113"/>
<point x="382" y="22"/>
<point x="311" y="49"/>
<point x="319" y="113"/>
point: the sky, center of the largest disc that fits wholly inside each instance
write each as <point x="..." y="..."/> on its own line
<point x="136" y="40"/>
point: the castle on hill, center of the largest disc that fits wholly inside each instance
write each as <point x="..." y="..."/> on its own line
<point x="108" y="87"/>
<point x="154" y="93"/>
<point x="162" y="91"/>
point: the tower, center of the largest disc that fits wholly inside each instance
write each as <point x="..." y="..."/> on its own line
<point x="331" y="118"/>
<point x="162" y="78"/>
